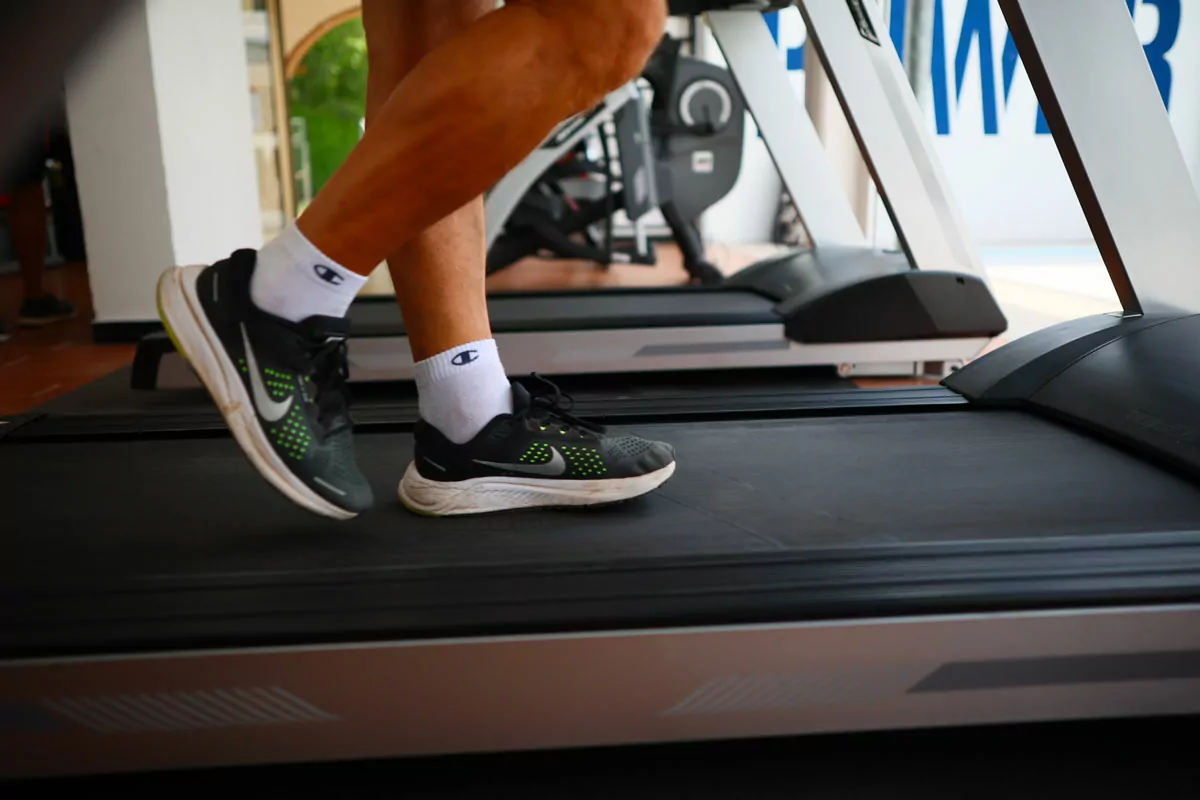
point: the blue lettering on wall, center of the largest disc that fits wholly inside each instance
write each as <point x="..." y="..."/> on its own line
<point x="977" y="27"/>
<point x="897" y="24"/>
<point x="1008" y="69"/>
<point x="1161" y="44"/>
<point x="937" y="68"/>
<point x="977" y="24"/>
<point x="794" y="55"/>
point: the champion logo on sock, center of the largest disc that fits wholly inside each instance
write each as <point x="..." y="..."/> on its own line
<point x="465" y="357"/>
<point x="328" y="274"/>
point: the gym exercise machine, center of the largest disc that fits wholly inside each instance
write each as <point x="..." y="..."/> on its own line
<point x="681" y="155"/>
<point x="843" y="304"/>
<point x="1026" y="547"/>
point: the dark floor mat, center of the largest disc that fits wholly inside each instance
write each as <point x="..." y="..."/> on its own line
<point x="1094" y="760"/>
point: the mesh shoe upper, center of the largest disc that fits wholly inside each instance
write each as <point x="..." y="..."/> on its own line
<point x="295" y="375"/>
<point x="540" y="439"/>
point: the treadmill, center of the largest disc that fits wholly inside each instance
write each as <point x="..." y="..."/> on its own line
<point x="1019" y="544"/>
<point x="923" y="309"/>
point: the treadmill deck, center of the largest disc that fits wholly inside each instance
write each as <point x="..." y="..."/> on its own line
<point x="180" y="540"/>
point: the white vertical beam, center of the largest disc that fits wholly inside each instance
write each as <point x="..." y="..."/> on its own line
<point x="841" y="146"/>
<point x="163" y="144"/>
<point x="1103" y="107"/>
<point x="899" y="149"/>
<point x="779" y="112"/>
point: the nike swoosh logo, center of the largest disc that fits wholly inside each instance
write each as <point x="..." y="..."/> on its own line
<point x="270" y="410"/>
<point x="557" y="465"/>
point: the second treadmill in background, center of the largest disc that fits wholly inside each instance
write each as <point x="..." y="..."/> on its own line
<point x="841" y="303"/>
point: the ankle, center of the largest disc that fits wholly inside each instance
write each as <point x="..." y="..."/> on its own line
<point x="294" y="280"/>
<point x="462" y="389"/>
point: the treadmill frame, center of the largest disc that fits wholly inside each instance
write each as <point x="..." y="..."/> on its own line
<point x="506" y="195"/>
<point x="629" y="350"/>
<point x="380" y="699"/>
<point x="838" y="665"/>
<point x="1100" y="98"/>
<point x="891" y="132"/>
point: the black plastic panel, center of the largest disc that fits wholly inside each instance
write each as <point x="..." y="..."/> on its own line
<point x="799" y="278"/>
<point x="581" y="311"/>
<point x="982" y="676"/>
<point x="910" y="306"/>
<point x="1135" y="380"/>
<point x="1143" y="389"/>
<point x="1011" y="374"/>
<point x="147" y="360"/>
<point x="859" y="295"/>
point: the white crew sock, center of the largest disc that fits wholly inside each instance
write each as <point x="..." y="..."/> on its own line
<point x="294" y="280"/>
<point x="463" y="389"/>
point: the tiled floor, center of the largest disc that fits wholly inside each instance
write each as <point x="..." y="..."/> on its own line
<point x="37" y="366"/>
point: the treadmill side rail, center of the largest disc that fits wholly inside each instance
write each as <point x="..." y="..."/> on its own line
<point x="1135" y="380"/>
<point x="394" y="698"/>
<point x="635" y="351"/>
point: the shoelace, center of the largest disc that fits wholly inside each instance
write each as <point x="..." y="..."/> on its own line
<point x="550" y="407"/>
<point x="331" y="371"/>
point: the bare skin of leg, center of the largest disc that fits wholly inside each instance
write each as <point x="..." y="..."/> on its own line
<point x="439" y="274"/>
<point x="465" y="115"/>
<point x="27" y="218"/>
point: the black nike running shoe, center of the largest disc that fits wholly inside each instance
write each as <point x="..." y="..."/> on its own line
<point x="280" y="385"/>
<point x="537" y="457"/>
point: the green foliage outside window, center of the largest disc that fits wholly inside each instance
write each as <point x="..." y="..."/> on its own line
<point x="329" y="92"/>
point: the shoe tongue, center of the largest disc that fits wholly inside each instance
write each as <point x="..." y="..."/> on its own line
<point x="521" y="398"/>
<point x="322" y="328"/>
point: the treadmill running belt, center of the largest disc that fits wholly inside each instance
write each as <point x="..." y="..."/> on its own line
<point x="195" y="506"/>
<point x="134" y="518"/>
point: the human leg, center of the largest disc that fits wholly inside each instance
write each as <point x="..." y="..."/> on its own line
<point x="443" y="265"/>
<point x="468" y="111"/>
<point x="439" y="275"/>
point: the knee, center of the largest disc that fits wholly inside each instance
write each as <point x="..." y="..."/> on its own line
<point x="610" y="41"/>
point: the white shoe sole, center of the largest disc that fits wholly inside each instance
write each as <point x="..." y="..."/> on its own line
<point x="186" y="324"/>
<point x="492" y="494"/>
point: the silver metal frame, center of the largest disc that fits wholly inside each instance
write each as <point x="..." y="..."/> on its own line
<point x="383" y="699"/>
<point x="888" y="122"/>
<point x="893" y="135"/>
<point x="388" y="358"/>
<point x="786" y="129"/>
<point x="879" y="104"/>
<point x="505" y="195"/>
<point x="1099" y="97"/>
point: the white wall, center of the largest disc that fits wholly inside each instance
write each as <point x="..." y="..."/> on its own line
<point x="1009" y="181"/>
<point x="163" y="142"/>
<point x="747" y="213"/>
